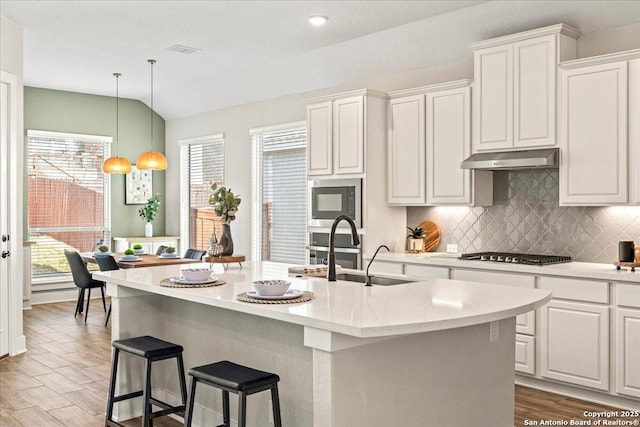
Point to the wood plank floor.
(63, 379)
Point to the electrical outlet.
(494, 331)
(452, 249)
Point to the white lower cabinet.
(149, 244)
(575, 343)
(525, 354)
(429, 271)
(628, 352)
(382, 267)
(628, 340)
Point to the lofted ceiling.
(254, 50)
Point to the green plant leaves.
(150, 210)
(224, 203)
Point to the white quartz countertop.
(346, 307)
(585, 270)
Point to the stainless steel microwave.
(331, 198)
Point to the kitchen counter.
(574, 269)
(354, 355)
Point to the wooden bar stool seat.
(233, 378)
(151, 350)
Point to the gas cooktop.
(528, 259)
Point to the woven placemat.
(306, 296)
(169, 284)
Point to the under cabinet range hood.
(513, 160)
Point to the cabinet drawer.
(628, 295)
(525, 354)
(426, 271)
(577, 289)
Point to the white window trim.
(64, 278)
(184, 182)
(256, 184)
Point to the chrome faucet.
(331, 271)
(372, 258)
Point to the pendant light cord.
(151, 61)
(117, 114)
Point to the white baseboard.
(578, 393)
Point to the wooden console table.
(224, 260)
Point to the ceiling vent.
(185, 50)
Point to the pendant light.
(116, 164)
(152, 159)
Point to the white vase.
(148, 230)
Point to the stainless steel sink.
(375, 280)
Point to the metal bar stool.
(237, 379)
(151, 350)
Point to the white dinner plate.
(125, 259)
(169, 256)
(182, 281)
(290, 294)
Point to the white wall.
(235, 122)
(11, 62)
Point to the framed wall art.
(138, 186)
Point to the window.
(69, 197)
(202, 162)
(280, 193)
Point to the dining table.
(146, 260)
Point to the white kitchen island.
(415, 354)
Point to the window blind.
(204, 165)
(69, 197)
(280, 221)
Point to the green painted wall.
(60, 111)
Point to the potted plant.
(129, 252)
(225, 205)
(104, 250)
(415, 239)
(148, 213)
(137, 248)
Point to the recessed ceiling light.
(318, 20)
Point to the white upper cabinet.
(348, 135)
(599, 130)
(594, 135)
(406, 151)
(320, 139)
(429, 136)
(336, 133)
(515, 88)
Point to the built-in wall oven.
(331, 198)
(328, 199)
(347, 255)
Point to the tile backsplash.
(526, 218)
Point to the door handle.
(5, 237)
(6, 254)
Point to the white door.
(320, 144)
(593, 126)
(406, 151)
(448, 143)
(4, 215)
(348, 128)
(575, 343)
(493, 98)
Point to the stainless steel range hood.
(513, 160)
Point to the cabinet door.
(407, 151)
(593, 126)
(493, 98)
(525, 354)
(534, 92)
(348, 135)
(448, 144)
(628, 352)
(320, 139)
(575, 343)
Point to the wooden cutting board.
(431, 235)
